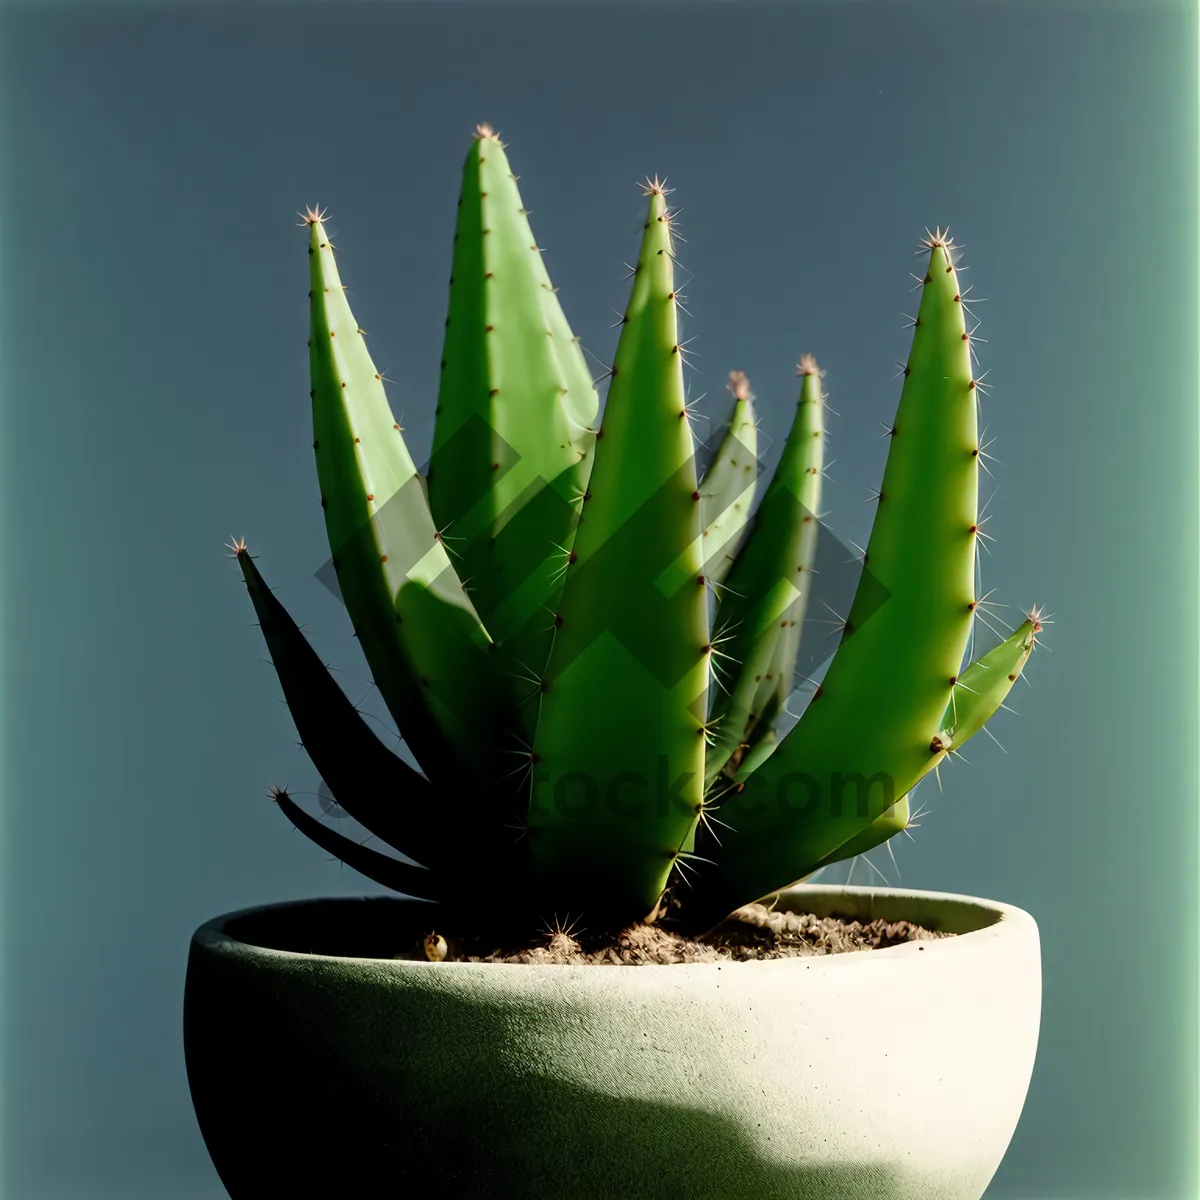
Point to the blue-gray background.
(155, 402)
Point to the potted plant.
(600, 977)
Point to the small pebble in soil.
(435, 947)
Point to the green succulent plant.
(587, 648)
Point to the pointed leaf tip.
(739, 385)
(312, 214)
(939, 237)
(1038, 618)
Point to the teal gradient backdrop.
(155, 402)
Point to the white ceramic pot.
(885, 1074)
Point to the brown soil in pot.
(753, 932)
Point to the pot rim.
(988, 920)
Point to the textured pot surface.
(888, 1074)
